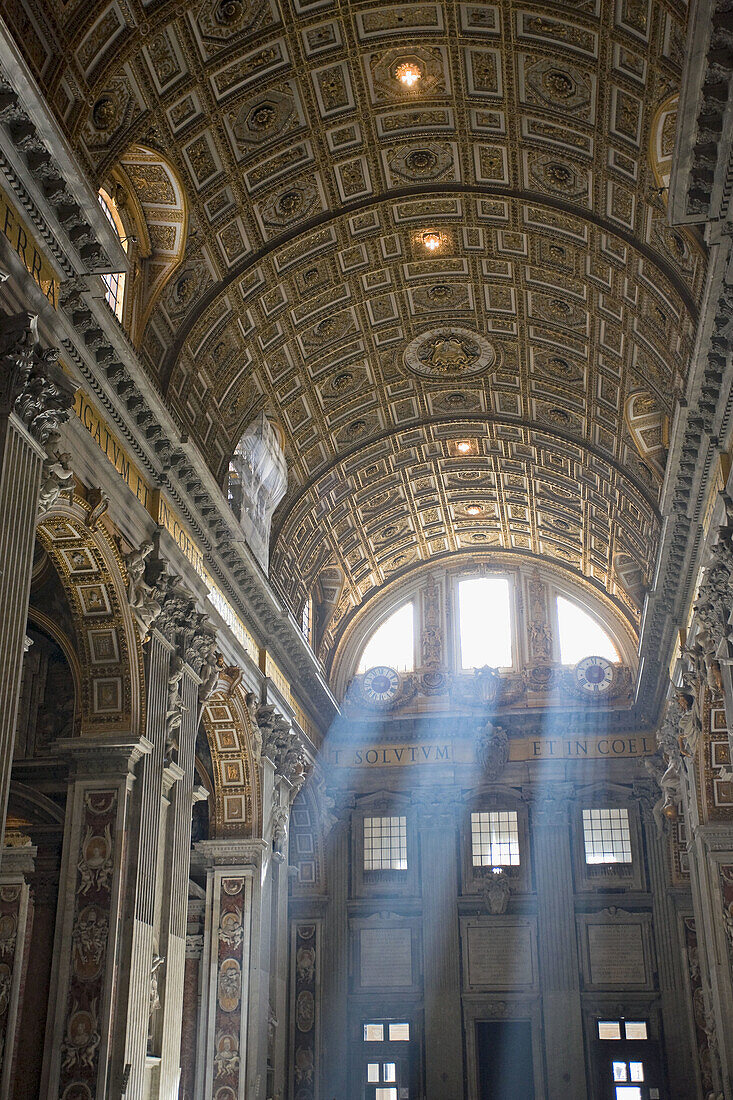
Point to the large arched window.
(115, 281)
(485, 622)
(581, 635)
(392, 643)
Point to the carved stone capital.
(31, 382)
(283, 746)
(179, 620)
(551, 808)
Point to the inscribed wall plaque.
(616, 954)
(500, 955)
(385, 957)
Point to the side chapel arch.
(148, 192)
(108, 649)
(232, 737)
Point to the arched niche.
(152, 203)
(648, 427)
(107, 646)
(662, 139)
(236, 809)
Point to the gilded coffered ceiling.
(549, 330)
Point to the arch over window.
(146, 190)
(581, 635)
(661, 141)
(258, 478)
(392, 643)
(485, 622)
(115, 281)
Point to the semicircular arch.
(230, 731)
(108, 649)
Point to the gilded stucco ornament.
(448, 353)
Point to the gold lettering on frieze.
(15, 231)
(113, 450)
(463, 752)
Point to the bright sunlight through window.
(393, 643)
(485, 622)
(581, 635)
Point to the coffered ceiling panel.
(555, 309)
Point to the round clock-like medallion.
(594, 675)
(380, 684)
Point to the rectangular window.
(607, 837)
(609, 1029)
(385, 843)
(373, 1033)
(495, 838)
(636, 1029)
(399, 1033)
(485, 621)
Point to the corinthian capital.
(31, 382)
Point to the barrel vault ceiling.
(549, 331)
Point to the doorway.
(504, 1059)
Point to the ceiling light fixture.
(464, 446)
(431, 240)
(474, 509)
(408, 73)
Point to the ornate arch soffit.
(109, 655)
(648, 426)
(151, 186)
(464, 425)
(614, 607)
(661, 142)
(237, 803)
(664, 265)
(407, 500)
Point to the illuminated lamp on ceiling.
(474, 510)
(462, 448)
(431, 240)
(408, 73)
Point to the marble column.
(440, 934)
(81, 1021)
(177, 640)
(336, 951)
(277, 836)
(233, 1028)
(16, 920)
(711, 876)
(35, 397)
(192, 990)
(666, 925)
(144, 870)
(558, 946)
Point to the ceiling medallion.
(449, 353)
(408, 73)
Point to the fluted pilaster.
(35, 398)
(558, 947)
(441, 962)
(336, 954)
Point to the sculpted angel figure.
(56, 475)
(141, 597)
